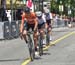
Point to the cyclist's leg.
(35, 36)
(24, 35)
(26, 28)
(41, 29)
(49, 27)
(35, 40)
(42, 32)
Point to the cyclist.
(41, 24)
(29, 18)
(48, 17)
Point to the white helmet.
(38, 13)
(47, 11)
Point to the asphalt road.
(15, 52)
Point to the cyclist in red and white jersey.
(30, 20)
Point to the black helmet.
(27, 10)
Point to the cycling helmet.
(27, 10)
(39, 14)
(47, 11)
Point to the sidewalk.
(17, 49)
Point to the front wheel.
(40, 39)
(47, 38)
(31, 49)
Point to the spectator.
(66, 20)
(9, 15)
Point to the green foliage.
(65, 3)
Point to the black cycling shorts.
(41, 25)
(27, 26)
(49, 23)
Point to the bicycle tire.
(47, 38)
(40, 39)
(31, 48)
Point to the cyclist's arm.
(22, 23)
(44, 18)
(51, 18)
(36, 24)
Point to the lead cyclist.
(29, 18)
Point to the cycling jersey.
(47, 16)
(41, 20)
(29, 17)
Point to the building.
(15, 3)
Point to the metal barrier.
(9, 30)
(1, 30)
(14, 29)
(58, 23)
(5, 30)
(7, 34)
(18, 25)
(61, 23)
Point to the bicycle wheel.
(40, 39)
(47, 38)
(31, 47)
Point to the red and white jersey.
(29, 4)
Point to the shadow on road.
(46, 53)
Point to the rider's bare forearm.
(21, 26)
(36, 24)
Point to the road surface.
(15, 52)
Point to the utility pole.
(39, 5)
(11, 7)
(42, 5)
